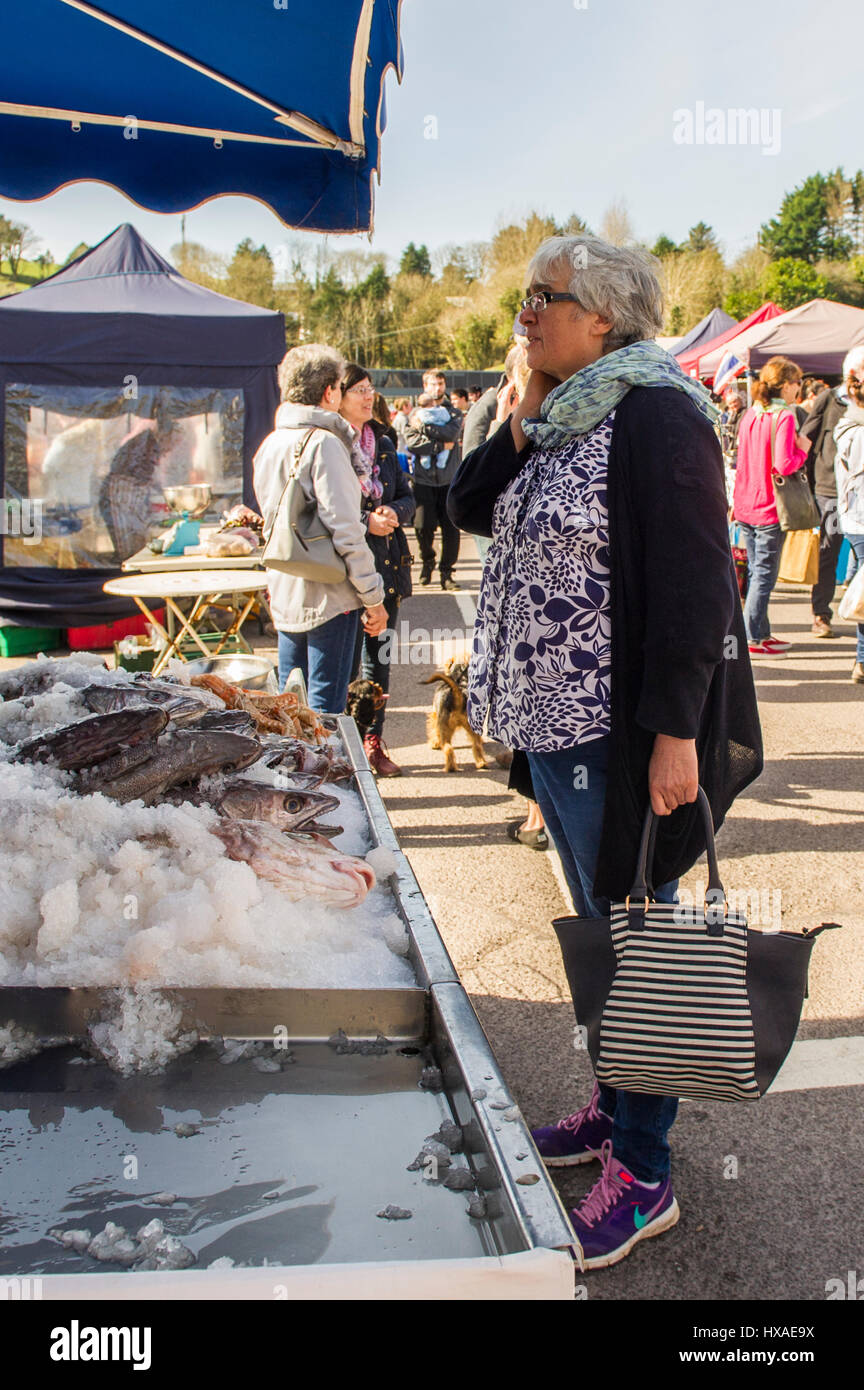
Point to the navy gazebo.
(118, 364)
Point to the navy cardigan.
(679, 657)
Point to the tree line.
(455, 306)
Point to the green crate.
(211, 640)
(143, 660)
(23, 641)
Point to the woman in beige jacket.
(317, 624)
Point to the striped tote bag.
(680, 1001)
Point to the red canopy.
(690, 360)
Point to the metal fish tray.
(284, 1170)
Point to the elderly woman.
(317, 624)
(609, 642)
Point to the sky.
(566, 106)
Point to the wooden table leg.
(235, 629)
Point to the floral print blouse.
(540, 664)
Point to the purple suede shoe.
(575, 1139)
(619, 1211)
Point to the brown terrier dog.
(448, 714)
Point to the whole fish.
(295, 809)
(93, 779)
(180, 708)
(183, 757)
(297, 756)
(298, 865)
(93, 740)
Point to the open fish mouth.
(302, 866)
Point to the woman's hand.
(538, 388)
(673, 773)
(382, 521)
(805, 445)
(375, 620)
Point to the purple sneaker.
(575, 1139)
(619, 1211)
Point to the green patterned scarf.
(587, 397)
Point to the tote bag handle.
(642, 889)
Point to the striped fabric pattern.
(677, 1019)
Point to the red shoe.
(776, 644)
(380, 763)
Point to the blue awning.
(174, 104)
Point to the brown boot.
(858, 673)
(380, 763)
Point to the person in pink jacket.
(768, 442)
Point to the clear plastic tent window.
(98, 463)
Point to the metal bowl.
(190, 497)
(252, 672)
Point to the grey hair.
(616, 283)
(306, 372)
(853, 362)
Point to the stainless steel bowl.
(190, 497)
(252, 672)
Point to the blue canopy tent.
(175, 104)
(705, 331)
(119, 377)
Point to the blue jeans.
(325, 655)
(856, 544)
(763, 545)
(570, 786)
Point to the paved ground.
(791, 1218)
(772, 1193)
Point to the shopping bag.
(799, 558)
(684, 1001)
(851, 608)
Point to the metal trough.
(285, 1171)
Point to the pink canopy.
(692, 361)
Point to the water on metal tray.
(331, 1135)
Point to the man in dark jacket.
(828, 409)
(431, 493)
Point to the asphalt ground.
(771, 1193)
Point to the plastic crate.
(143, 659)
(85, 639)
(22, 641)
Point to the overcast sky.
(567, 107)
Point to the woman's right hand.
(538, 388)
(805, 445)
(375, 620)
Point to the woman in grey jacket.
(317, 624)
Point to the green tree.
(798, 232)
(250, 275)
(700, 238)
(474, 342)
(415, 261)
(16, 239)
(664, 246)
(791, 281)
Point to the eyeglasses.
(359, 391)
(538, 301)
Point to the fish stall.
(236, 1060)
